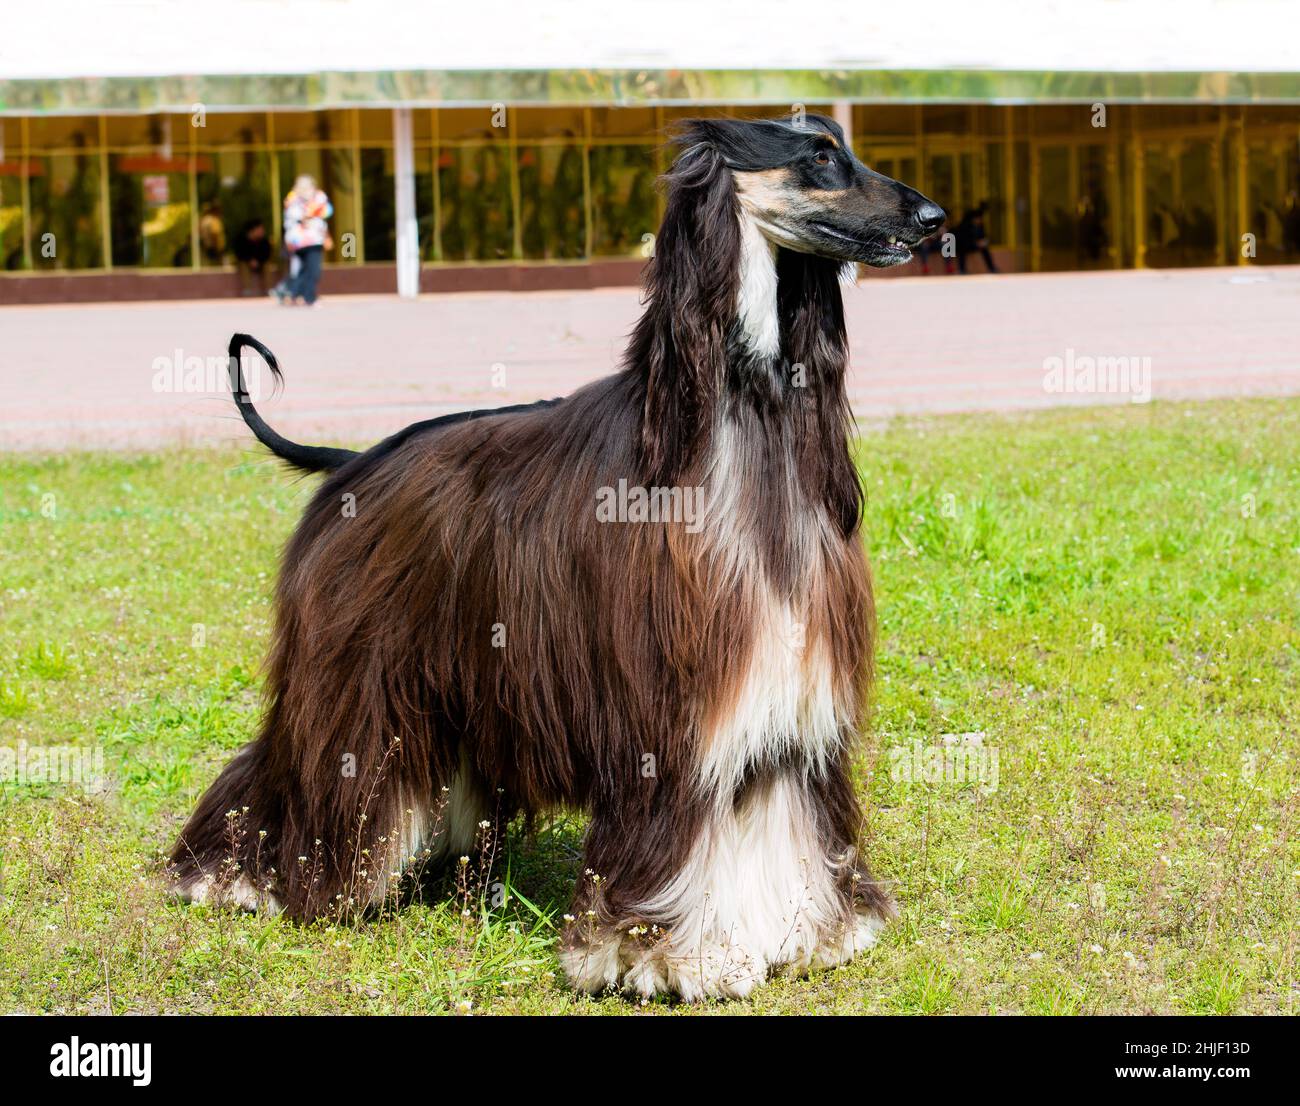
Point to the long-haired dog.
(648, 600)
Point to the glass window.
(1180, 204)
(1020, 197)
(66, 232)
(475, 218)
(1272, 200)
(11, 213)
(994, 193)
(1159, 170)
(1056, 225)
(1172, 119)
(376, 126)
(474, 124)
(941, 184)
(1095, 211)
(1198, 233)
(149, 202)
(1272, 115)
(379, 201)
(624, 204)
(549, 123)
(1061, 120)
(884, 121)
(232, 128)
(379, 215)
(624, 123)
(158, 131)
(57, 132)
(552, 211)
(945, 119)
(234, 191)
(313, 127)
(972, 187)
(426, 204)
(990, 120)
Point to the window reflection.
(66, 232)
(1180, 203)
(149, 201)
(1272, 200)
(552, 211)
(11, 213)
(1096, 244)
(379, 218)
(558, 184)
(474, 186)
(234, 192)
(1056, 208)
(624, 205)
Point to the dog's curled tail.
(309, 458)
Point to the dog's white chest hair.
(786, 709)
(756, 304)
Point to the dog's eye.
(821, 157)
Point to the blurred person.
(306, 237)
(212, 234)
(252, 249)
(973, 238)
(1093, 238)
(1291, 222)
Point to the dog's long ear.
(811, 309)
(691, 283)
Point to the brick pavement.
(359, 367)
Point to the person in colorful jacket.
(306, 237)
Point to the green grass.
(1110, 597)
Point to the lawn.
(1109, 598)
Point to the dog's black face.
(807, 191)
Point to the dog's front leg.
(656, 909)
(765, 881)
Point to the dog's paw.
(854, 937)
(625, 962)
(207, 890)
(722, 970)
(829, 948)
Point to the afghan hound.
(648, 600)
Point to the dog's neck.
(757, 310)
(786, 343)
(759, 322)
(783, 406)
(758, 351)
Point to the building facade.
(125, 185)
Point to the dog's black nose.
(929, 217)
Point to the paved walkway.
(87, 376)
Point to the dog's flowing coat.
(454, 621)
